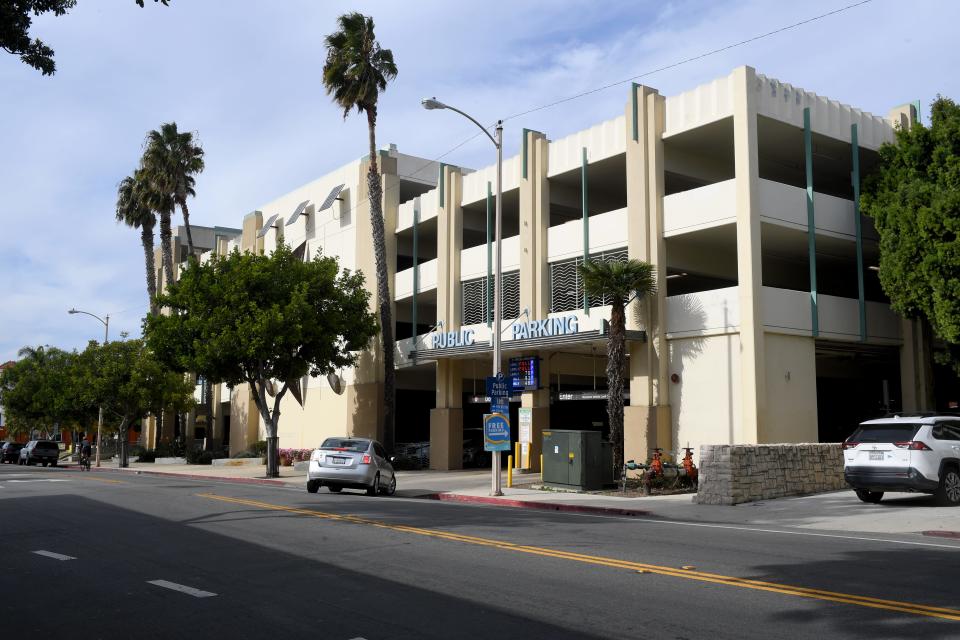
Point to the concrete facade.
(742, 207)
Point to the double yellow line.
(639, 567)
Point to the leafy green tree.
(15, 22)
(356, 72)
(618, 281)
(41, 391)
(127, 380)
(133, 209)
(246, 318)
(914, 200)
(171, 159)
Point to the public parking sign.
(496, 432)
(498, 386)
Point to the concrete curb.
(533, 504)
(194, 476)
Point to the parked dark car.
(10, 452)
(43, 451)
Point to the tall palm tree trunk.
(166, 246)
(146, 237)
(616, 355)
(375, 188)
(186, 225)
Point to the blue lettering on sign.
(449, 339)
(562, 326)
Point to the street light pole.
(106, 338)
(433, 103)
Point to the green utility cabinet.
(572, 459)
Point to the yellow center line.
(107, 480)
(733, 581)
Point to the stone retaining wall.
(731, 474)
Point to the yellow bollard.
(516, 454)
(510, 471)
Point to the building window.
(566, 288)
(474, 298)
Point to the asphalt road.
(124, 556)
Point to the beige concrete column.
(749, 276)
(446, 420)
(534, 225)
(252, 223)
(648, 419)
(539, 404)
(365, 395)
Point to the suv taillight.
(914, 445)
(366, 459)
(850, 445)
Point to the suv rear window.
(46, 445)
(885, 433)
(345, 443)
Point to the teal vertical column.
(586, 224)
(811, 222)
(416, 269)
(855, 181)
(489, 287)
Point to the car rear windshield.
(885, 433)
(46, 445)
(345, 444)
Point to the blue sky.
(245, 74)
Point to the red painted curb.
(942, 534)
(531, 504)
(192, 476)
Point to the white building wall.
(602, 141)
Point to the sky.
(245, 75)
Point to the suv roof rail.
(922, 414)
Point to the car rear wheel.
(334, 489)
(873, 497)
(374, 489)
(948, 493)
(313, 486)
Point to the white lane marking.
(196, 593)
(51, 554)
(40, 480)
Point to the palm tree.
(161, 202)
(618, 281)
(134, 211)
(356, 71)
(172, 159)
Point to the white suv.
(905, 453)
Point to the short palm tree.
(133, 211)
(356, 71)
(617, 281)
(172, 158)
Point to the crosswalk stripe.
(51, 554)
(182, 588)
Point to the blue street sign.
(498, 386)
(500, 405)
(496, 432)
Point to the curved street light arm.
(474, 121)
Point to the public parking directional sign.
(498, 386)
(496, 432)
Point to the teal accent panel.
(489, 256)
(636, 112)
(416, 270)
(441, 182)
(586, 223)
(523, 160)
(855, 181)
(916, 105)
(811, 221)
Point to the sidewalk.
(841, 511)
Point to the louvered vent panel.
(566, 288)
(510, 287)
(474, 301)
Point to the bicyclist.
(85, 452)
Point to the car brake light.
(914, 445)
(366, 459)
(850, 445)
(340, 449)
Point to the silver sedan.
(354, 463)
